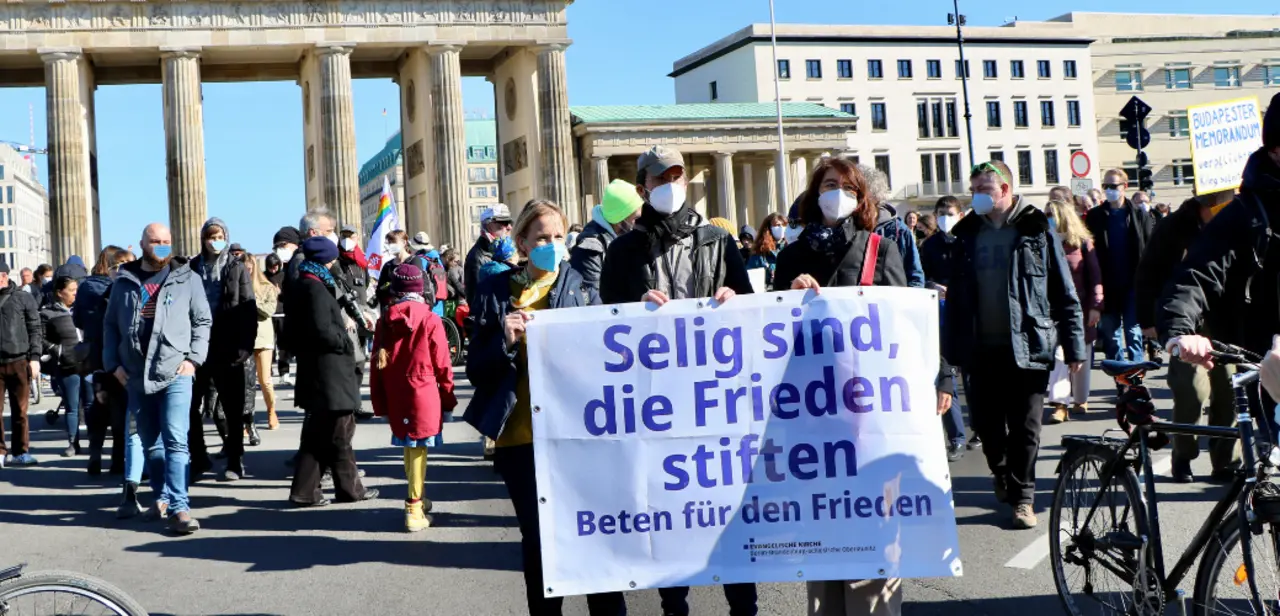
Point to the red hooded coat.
(416, 386)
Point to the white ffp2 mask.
(667, 198)
(837, 204)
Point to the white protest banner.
(778, 437)
(1223, 135)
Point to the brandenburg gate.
(427, 46)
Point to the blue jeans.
(1120, 332)
(161, 421)
(76, 392)
(953, 421)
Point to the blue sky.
(621, 55)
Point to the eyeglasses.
(1110, 186)
(988, 167)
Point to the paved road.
(257, 556)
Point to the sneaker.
(1181, 471)
(5, 460)
(415, 518)
(369, 494)
(159, 511)
(955, 451)
(25, 459)
(183, 524)
(229, 476)
(1002, 491)
(1024, 517)
(974, 443)
(1059, 414)
(1079, 409)
(70, 451)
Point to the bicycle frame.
(1238, 494)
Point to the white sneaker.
(25, 459)
(1024, 517)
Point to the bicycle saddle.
(1115, 368)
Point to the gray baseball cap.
(658, 159)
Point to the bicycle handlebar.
(1228, 354)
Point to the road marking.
(1031, 556)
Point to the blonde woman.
(1077, 246)
(266, 294)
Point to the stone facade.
(427, 46)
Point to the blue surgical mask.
(547, 257)
(218, 246)
(983, 204)
(778, 232)
(162, 251)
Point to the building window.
(715, 92)
(1046, 114)
(1177, 78)
(1069, 69)
(2, 218)
(813, 69)
(990, 70)
(1024, 168)
(940, 164)
(1016, 69)
(1226, 76)
(1129, 81)
(904, 69)
(1073, 114)
(993, 114)
(849, 108)
(844, 69)
(1050, 166)
(952, 128)
(490, 152)
(1179, 126)
(875, 69)
(937, 119)
(1271, 75)
(1184, 172)
(965, 68)
(1020, 119)
(1043, 68)
(784, 69)
(955, 168)
(2, 242)
(922, 119)
(882, 163)
(997, 155)
(9, 190)
(1, 172)
(879, 119)
(935, 68)
(926, 170)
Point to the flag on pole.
(386, 221)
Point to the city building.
(24, 214)
(1030, 96)
(482, 176)
(1171, 62)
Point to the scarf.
(317, 270)
(666, 231)
(826, 240)
(409, 297)
(527, 290)
(356, 256)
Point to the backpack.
(436, 275)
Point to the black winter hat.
(1271, 124)
(287, 235)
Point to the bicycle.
(1105, 522)
(61, 593)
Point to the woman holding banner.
(840, 247)
(497, 365)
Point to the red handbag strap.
(869, 261)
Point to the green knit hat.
(620, 201)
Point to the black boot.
(129, 506)
(95, 460)
(251, 425)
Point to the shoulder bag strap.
(869, 261)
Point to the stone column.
(780, 172)
(184, 147)
(450, 143)
(799, 176)
(69, 182)
(340, 182)
(724, 186)
(600, 168)
(559, 183)
(772, 201)
(748, 204)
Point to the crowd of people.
(149, 346)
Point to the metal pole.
(780, 168)
(964, 83)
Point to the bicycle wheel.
(1218, 590)
(1095, 567)
(454, 339)
(64, 593)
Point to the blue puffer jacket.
(87, 313)
(491, 364)
(890, 227)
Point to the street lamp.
(958, 20)
(780, 168)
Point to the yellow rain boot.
(414, 518)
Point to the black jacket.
(587, 256)
(456, 276)
(1114, 285)
(480, 253)
(62, 340)
(631, 266)
(328, 379)
(935, 257)
(88, 311)
(1169, 242)
(843, 270)
(20, 330)
(1233, 269)
(491, 365)
(235, 318)
(1044, 311)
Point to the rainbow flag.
(386, 221)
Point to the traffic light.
(1138, 137)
